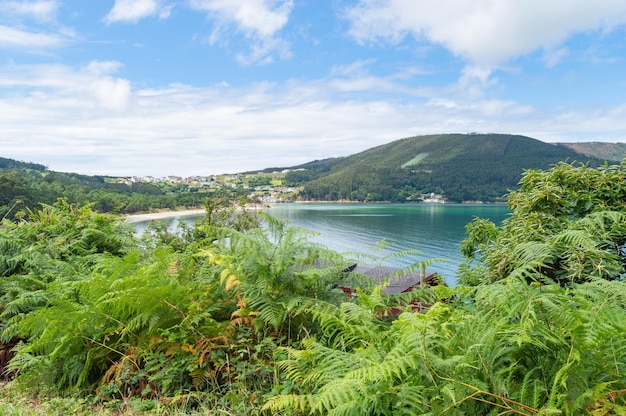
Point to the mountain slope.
(460, 166)
(12, 164)
(600, 150)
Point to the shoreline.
(132, 218)
(161, 215)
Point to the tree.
(13, 192)
(568, 225)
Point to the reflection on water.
(435, 230)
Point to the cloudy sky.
(196, 87)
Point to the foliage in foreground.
(568, 225)
(191, 321)
(242, 319)
(506, 348)
(541, 331)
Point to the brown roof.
(395, 280)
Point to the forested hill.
(6, 164)
(27, 185)
(461, 167)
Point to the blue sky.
(199, 87)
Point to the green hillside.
(462, 167)
(27, 185)
(6, 164)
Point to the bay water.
(383, 230)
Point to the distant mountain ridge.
(461, 167)
(9, 164)
(600, 150)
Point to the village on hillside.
(265, 187)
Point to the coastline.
(132, 218)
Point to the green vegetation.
(461, 167)
(10, 164)
(537, 329)
(415, 160)
(568, 226)
(25, 185)
(240, 314)
(175, 319)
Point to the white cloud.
(90, 120)
(486, 32)
(262, 18)
(40, 10)
(16, 38)
(103, 67)
(258, 20)
(354, 68)
(475, 80)
(553, 57)
(262, 51)
(111, 93)
(91, 88)
(134, 10)
(30, 26)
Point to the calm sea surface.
(434, 230)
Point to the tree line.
(26, 188)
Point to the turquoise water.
(435, 230)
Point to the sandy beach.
(165, 214)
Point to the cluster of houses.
(266, 193)
(192, 180)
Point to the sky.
(202, 87)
